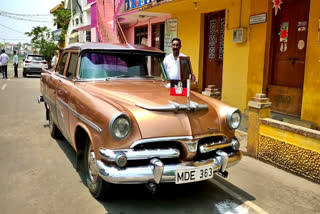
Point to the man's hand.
(193, 78)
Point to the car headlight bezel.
(229, 117)
(116, 117)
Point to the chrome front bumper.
(157, 172)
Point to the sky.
(33, 7)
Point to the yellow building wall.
(245, 66)
(311, 90)
(290, 138)
(257, 50)
(294, 149)
(191, 32)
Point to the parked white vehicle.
(33, 64)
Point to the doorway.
(213, 49)
(288, 53)
(158, 36)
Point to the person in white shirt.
(171, 61)
(54, 61)
(4, 59)
(15, 64)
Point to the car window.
(35, 57)
(105, 65)
(72, 68)
(63, 63)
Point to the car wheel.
(97, 186)
(54, 131)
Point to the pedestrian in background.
(4, 59)
(15, 63)
(54, 61)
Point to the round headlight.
(234, 119)
(120, 126)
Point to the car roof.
(111, 46)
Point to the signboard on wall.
(258, 19)
(56, 34)
(132, 4)
(170, 32)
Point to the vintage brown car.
(112, 103)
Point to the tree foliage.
(42, 42)
(61, 19)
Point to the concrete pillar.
(259, 107)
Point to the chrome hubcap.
(93, 175)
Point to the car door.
(64, 87)
(52, 87)
(67, 85)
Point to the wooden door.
(213, 49)
(157, 41)
(290, 28)
(158, 36)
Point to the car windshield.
(35, 57)
(120, 65)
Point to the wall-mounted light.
(195, 5)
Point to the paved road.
(38, 174)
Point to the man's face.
(175, 47)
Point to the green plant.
(42, 42)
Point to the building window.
(88, 36)
(77, 21)
(140, 34)
(81, 19)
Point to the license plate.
(193, 175)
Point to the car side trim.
(80, 117)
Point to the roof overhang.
(187, 6)
(83, 28)
(138, 15)
(58, 7)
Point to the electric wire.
(20, 14)
(25, 19)
(11, 29)
(15, 39)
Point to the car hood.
(131, 95)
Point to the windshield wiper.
(148, 76)
(123, 76)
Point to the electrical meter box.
(239, 35)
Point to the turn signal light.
(121, 159)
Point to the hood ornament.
(173, 106)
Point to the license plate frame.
(195, 174)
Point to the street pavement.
(38, 174)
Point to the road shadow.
(33, 76)
(71, 155)
(200, 197)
